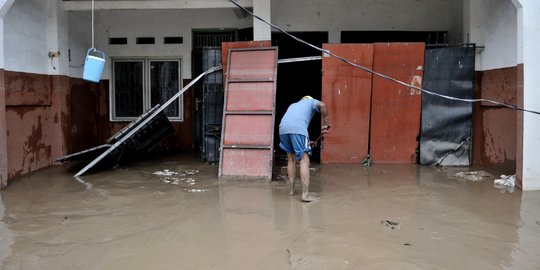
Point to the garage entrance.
(299, 79)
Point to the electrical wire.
(380, 74)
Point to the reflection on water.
(6, 236)
(132, 219)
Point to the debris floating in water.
(390, 225)
(473, 176)
(171, 180)
(195, 190)
(505, 183)
(175, 180)
(165, 173)
(178, 181)
(191, 172)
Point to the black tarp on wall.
(446, 133)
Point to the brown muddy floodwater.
(383, 217)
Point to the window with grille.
(139, 84)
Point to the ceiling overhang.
(151, 4)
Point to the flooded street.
(383, 217)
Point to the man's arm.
(324, 113)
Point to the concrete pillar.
(4, 7)
(261, 30)
(530, 38)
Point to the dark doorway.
(295, 80)
(434, 37)
(245, 34)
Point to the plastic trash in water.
(475, 176)
(165, 173)
(196, 190)
(505, 183)
(389, 224)
(191, 172)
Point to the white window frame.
(146, 87)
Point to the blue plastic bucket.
(93, 65)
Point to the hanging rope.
(93, 47)
(379, 74)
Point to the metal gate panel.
(250, 96)
(251, 65)
(396, 109)
(346, 90)
(245, 163)
(248, 116)
(226, 46)
(248, 130)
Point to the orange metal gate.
(346, 91)
(248, 114)
(395, 109)
(350, 93)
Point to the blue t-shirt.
(296, 119)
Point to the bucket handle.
(94, 50)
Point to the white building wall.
(531, 94)
(335, 16)
(29, 36)
(57, 38)
(80, 40)
(147, 23)
(25, 37)
(492, 24)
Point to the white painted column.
(262, 31)
(4, 7)
(473, 26)
(531, 93)
(57, 38)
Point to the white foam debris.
(190, 181)
(165, 173)
(178, 181)
(195, 190)
(505, 181)
(190, 172)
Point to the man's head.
(307, 97)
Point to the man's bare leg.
(304, 175)
(291, 171)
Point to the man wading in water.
(294, 139)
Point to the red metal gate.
(395, 109)
(350, 93)
(346, 91)
(226, 46)
(248, 114)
